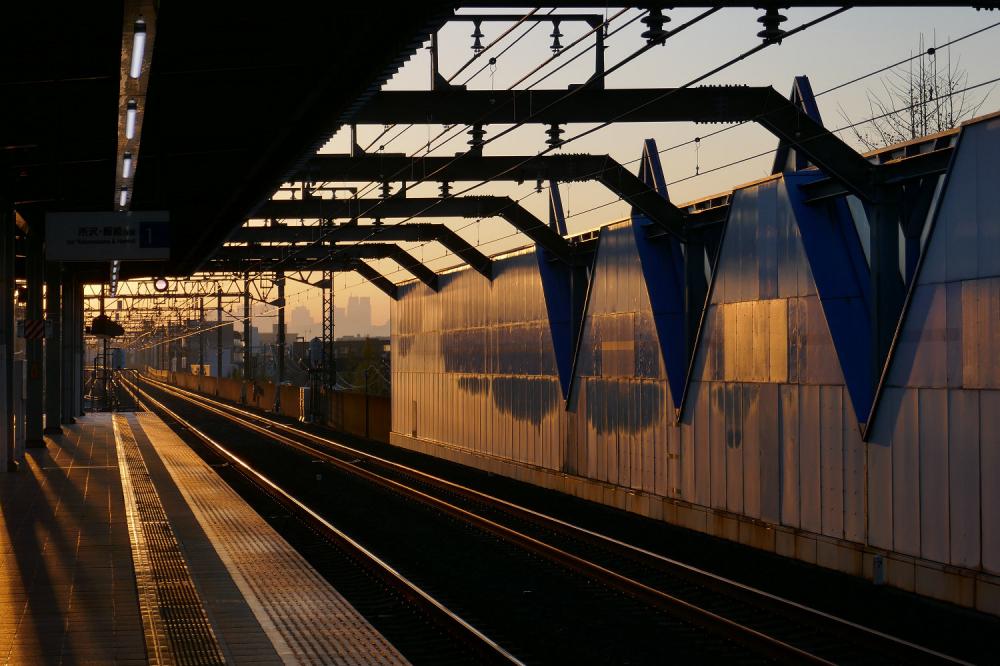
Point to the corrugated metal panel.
(822, 364)
(921, 351)
(728, 316)
(691, 437)
(972, 362)
(637, 431)
(661, 450)
(718, 440)
(750, 428)
(778, 341)
(831, 405)
(989, 332)
(789, 443)
(767, 235)
(934, 514)
(788, 249)
(591, 412)
(749, 247)
(734, 447)
(810, 477)
(854, 477)
(652, 414)
(768, 430)
(761, 340)
(770, 456)
(880, 476)
(906, 476)
(988, 198)
(958, 215)
(989, 410)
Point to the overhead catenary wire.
(856, 79)
(550, 148)
(839, 86)
(479, 54)
(694, 81)
(747, 158)
(666, 94)
(320, 240)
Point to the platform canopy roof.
(239, 93)
(240, 97)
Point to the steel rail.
(675, 606)
(618, 581)
(824, 621)
(485, 647)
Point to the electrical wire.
(750, 157)
(564, 142)
(698, 79)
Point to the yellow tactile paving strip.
(67, 586)
(175, 623)
(307, 620)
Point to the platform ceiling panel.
(240, 95)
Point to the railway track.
(472, 644)
(762, 624)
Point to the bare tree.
(925, 96)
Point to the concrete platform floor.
(117, 541)
(67, 585)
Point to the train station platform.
(120, 545)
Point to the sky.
(837, 50)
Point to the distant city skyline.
(354, 319)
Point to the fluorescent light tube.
(138, 48)
(127, 166)
(131, 111)
(123, 197)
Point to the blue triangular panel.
(786, 158)
(662, 262)
(564, 287)
(841, 273)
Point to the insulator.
(556, 45)
(554, 132)
(772, 20)
(654, 20)
(477, 133)
(445, 188)
(477, 35)
(386, 189)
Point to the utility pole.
(218, 338)
(247, 371)
(279, 280)
(201, 336)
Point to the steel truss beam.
(756, 4)
(359, 267)
(399, 207)
(715, 104)
(933, 163)
(319, 257)
(559, 168)
(416, 232)
(157, 297)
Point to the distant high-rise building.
(299, 321)
(355, 319)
